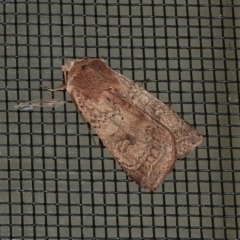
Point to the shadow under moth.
(143, 134)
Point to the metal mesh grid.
(55, 183)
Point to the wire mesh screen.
(55, 182)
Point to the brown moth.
(143, 134)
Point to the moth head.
(102, 60)
(69, 64)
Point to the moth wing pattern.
(144, 135)
(146, 153)
(187, 137)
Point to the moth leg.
(85, 121)
(60, 88)
(88, 126)
(100, 143)
(89, 131)
(142, 84)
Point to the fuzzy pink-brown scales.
(142, 133)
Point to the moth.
(143, 134)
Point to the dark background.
(55, 182)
